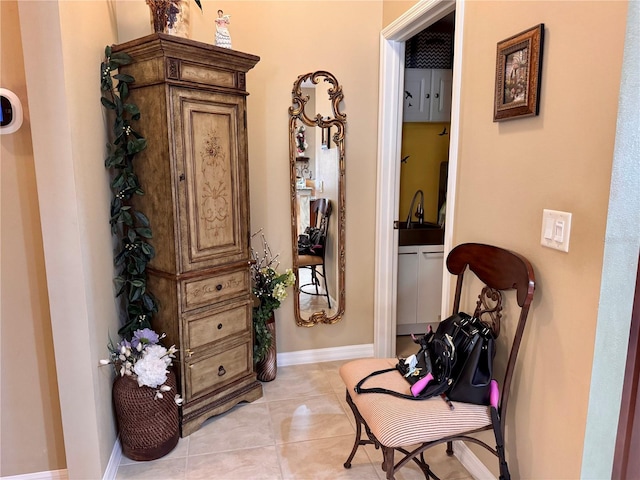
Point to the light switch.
(559, 231)
(556, 228)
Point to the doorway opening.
(426, 127)
(392, 61)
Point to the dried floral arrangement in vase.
(269, 288)
(171, 16)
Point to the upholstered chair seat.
(393, 420)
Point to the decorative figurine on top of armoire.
(223, 38)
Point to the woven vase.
(149, 427)
(267, 368)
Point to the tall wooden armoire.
(194, 172)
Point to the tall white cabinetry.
(420, 269)
(427, 94)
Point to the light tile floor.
(300, 429)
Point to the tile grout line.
(273, 438)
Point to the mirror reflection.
(316, 158)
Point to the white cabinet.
(420, 269)
(427, 94)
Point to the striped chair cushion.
(398, 422)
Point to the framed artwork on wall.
(518, 75)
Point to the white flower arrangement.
(143, 359)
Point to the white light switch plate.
(556, 229)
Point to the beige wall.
(268, 29)
(392, 9)
(560, 160)
(31, 428)
(355, 64)
(63, 44)
(426, 149)
(69, 138)
(565, 164)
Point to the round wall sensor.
(10, 111)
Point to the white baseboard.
(301, 357)
(114, 461)
(471, 463)
(109, 474)
(50, 475)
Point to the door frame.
(627, 439)
(392, 50)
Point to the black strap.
(358, 388)
(427, 393)
(504, 469)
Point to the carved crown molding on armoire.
(194, 171)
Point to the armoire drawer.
(205, 374)
(205, 328)
(200, 292)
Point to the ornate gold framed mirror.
(316, 160)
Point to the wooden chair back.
(320, 214)
(499, 270)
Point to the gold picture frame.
(518, 75)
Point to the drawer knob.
(221, 371)
(218, 287)
(219, 326)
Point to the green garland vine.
(131, 227)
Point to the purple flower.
(145, 336)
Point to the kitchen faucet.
(419, 209)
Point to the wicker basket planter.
(149, 428)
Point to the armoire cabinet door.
(211, 164)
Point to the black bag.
(310, 242)
(473, 358)
(456, 360)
